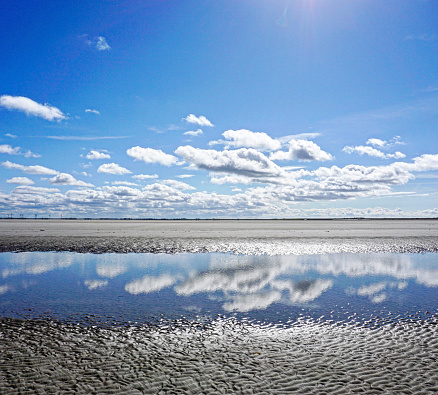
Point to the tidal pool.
(212, 323)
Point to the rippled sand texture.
(272, 237)
(223, 357)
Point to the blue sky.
(208, 109)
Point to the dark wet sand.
(271, 237)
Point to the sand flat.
(238, 236)
(221, 228)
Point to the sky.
(219, 109)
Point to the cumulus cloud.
(201, 120)
(151, 155)
(20, 181)
(132, 184)
(258, 301)
(365, 150)
(31, 107)
(97, 155)
(248, 139)
(113, 168)
(302, 150)
(245, 162)
(68, 179)
(35, 169)
(92, 111)
(145, 176)
(7, 149)
(193, 132)
(149, 284)
(178, 185)
(12, 136)
(384, 143)
(101, 44)
(95, 284)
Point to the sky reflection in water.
(136, 287)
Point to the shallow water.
(211, 323)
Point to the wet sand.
(273, 237)
(225, 356)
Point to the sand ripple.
(223, 356)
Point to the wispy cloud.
(145, 176)
(113, 168)
(385, 144)
(20, 181)
(92, 111)
(31, 107)
(84, 138)
(12, 136)
(370, 151)
(35, 169)
(193, 133)
(201, 120)
(423, 37)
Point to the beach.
(218, 306)
(273, 237)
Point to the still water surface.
(218, 323)
(279, 289)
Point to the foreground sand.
(239, 236)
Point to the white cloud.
(248, 139)
(182, 186)
(31, 107)
(110, 270)
(151, 155)
(68, 179)
(7, 149)
(132, 184)
(35, 169)
(149, 284)
(101, 44)
(368, 290)
(302, 150)
(245, 162)
(383, 143)
(113, 168)
(12, 136)
(193, 132)
(97, 155)
(20, 181)
(185, 176)
(94, 284)
(201, 120)
(92, 111)
(84, 138)
(145, 176)
(376, 142)
(422, 37)
(361, 150)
